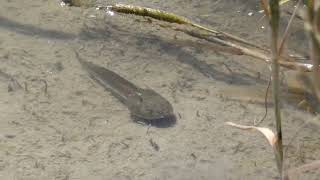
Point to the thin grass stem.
(274, 24)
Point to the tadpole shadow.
(212, 71)
(142, 41)
(30, 30)
(174, 48)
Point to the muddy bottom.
(57, 123)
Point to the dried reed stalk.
(216, 36)
(171, 18)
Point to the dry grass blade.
(268, 134)
(265, 8)
(271, 137)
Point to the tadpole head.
(151, 108)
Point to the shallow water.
(62, 125)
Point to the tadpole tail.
(117, 85)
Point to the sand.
(59, 124)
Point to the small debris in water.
(14, 85)
(198, 114)
(9, 136)
(193, 156)
(154, 145)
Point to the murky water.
(60, 124)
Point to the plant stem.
(312, 23)
(274, 23)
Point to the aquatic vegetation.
(276, 58)
(272, 11)
(273, 56)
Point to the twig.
(286, 33)
(265, 104)
(154, 144)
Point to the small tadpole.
(154, 144)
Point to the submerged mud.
(62, 125)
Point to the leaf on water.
(268, 134)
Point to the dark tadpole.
(145, 105)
